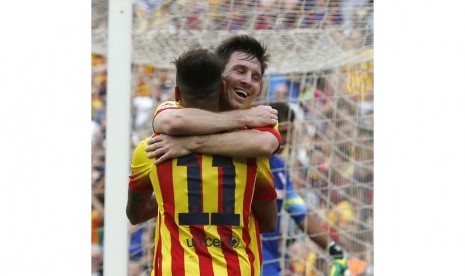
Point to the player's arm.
(264, 204)
(297, 209)
(193, 121)
(141, 205)
(314, 230)
(266, 213)
(241, 143)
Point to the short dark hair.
(285, 113)
(244, 44)
(198, 74)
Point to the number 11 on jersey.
(196, 216)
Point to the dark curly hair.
(244, 44)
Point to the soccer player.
(296, 207)
(245, 61)
(204, 224)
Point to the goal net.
(321, 64)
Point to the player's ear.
(177, 95)
(223, 87)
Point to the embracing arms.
(241, 143)
(193, 121)
(204, 125)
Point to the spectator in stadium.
(295, 206)
(281, 93)
(143, 104)
(97, 260)
(97, 220)
(97, 224)
(139, 249)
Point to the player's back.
(205, 225)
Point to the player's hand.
(262, 115)
(164, 147)
(339, 265)
(151, 147)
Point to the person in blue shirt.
(290, 201)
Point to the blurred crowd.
(330, 157)
(149, 87)
(330, 160)
(353, 15)
(350, 21)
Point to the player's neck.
(225, 106)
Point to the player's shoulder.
(140, 164)
(167, 105)
(139, 151)
(143, 142)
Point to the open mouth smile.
(242, 93)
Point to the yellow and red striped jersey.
(205, 225)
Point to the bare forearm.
(266, 213)
(315, 231)
(149, 212)
(140, 207)
(243, 143)
(192, 121)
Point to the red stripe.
(165, 172)
(198, 232)
(225, 233)
(205, 258)
(157, 260)
(259, 245)
(230, 254)
(249, 188)
(273, 131)
(141, 186)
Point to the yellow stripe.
(210, 185)
(296, 200)
(165, 249)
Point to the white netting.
(321, 63)
(301, 35)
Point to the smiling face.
(243, 80)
